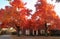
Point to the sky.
(31, 3)
(3, 3)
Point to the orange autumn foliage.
(10, 16)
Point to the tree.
(20, 13)
(44, 13)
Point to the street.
(5, 37)
(28, 37)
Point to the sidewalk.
(36, 37)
